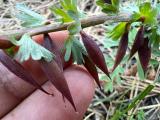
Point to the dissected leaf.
(115, 3)
(147, 12)
(63, 14)
(94, 52)
(122, 48)
(68, 47)
(52, 47)
(69, 4)
(100, 3)
(138, 41)
(29, 48)
(109, 6)
(73, 14)
(154, 37)
(77, 51)
(108, 86)
(68, 11)
(145, 54)
(90, 66)
(77, 55)
(118, 31)
(16, 68)
(79, 46)
(29, 17)
(74, 28)
(55, 75)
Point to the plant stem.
(87, 22)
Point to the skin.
(21, 101)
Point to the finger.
(12, 89)
(40, 106)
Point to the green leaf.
(132, 34)
(109, 8)
(146, 10)
(74, 5)
(145, 7)
(108, 86)
(117, 115)
(29, 17)
(64, 16)
(69, 4)
(68, 46)
(136, 16)
(154, 37)
(79, 46)
(140, 70)
(74, 15)
(100, 3)
(115, 3)
(68, 11)
(77, 55)
(154, 62)
(158, 7)
(117, 32)
(29, 48)
(141, 115)
(158, 30)
(108, 43)
(78, 50)
(74, 28)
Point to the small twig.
(87, 22)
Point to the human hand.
(20, 101)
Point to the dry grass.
(103, 105)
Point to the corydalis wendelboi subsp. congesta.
(91, 67)
(51, 46)
(122, 48)
(144, 53)
(94, 52)
(140, 45)
(16, 68)
(91, 59)
(138, 42)
(53, 70)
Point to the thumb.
(40, 106)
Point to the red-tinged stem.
(86, 22)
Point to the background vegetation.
(126, 83)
